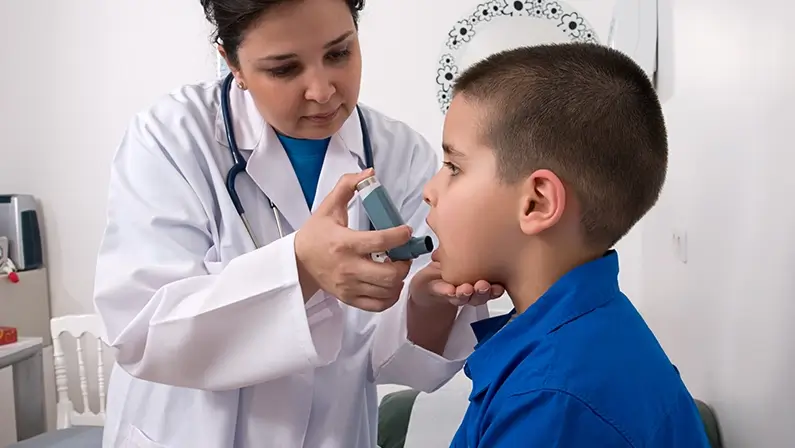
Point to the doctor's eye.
(454, 170)
(282, 71)
(338, 55)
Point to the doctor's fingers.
(386, 275)
(352, 272)
(337, 200)
(368, 242)
(369, 297)
(375, 302)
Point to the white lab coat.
(216, 346)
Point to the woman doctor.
(222, 342)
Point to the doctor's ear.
(241, 84)
(543, 201)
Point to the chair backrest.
(77, 326)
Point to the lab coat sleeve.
(172, 320)
(395, 359)
(547, 418)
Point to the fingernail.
(452, 294)
(483, 291)
(467, 294)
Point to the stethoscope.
(239, 163)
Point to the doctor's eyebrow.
(329, 44)
(448, 149)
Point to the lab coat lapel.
(247, 123)
(345, 154)
(268, 165)
(272, 171)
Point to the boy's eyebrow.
(450, 151)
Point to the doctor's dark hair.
(586, 112)
(232, 18)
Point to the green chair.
(394, 414)
(710, 424)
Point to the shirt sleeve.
(547, 418)
(165, 301)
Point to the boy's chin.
(459, 277)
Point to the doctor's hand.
(428, 288)
(336, 259)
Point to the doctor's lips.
(323, 118)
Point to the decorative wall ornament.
(499, 25)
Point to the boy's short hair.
(584, 111)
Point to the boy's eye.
(454, 170)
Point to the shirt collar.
(581, 290)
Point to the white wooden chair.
(77, 326)
(74, 429)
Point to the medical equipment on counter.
(240, 163)
(384, 215)
(8, 335)
(7, 266)
(19, 222)
(3, 249)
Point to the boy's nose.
(429, 193)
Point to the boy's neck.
(537, 271)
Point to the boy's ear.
(543, 201)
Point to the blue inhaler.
(384, 215)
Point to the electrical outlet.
(679, 245)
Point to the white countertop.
(9, 350)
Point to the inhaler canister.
(384, 215)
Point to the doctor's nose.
(319, 89)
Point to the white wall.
(725, 315)
(74, 72)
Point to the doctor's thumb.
(341, 195)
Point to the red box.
(8, 335)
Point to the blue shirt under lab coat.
(579, 368)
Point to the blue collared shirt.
(579, 368)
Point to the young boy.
(552, 154)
